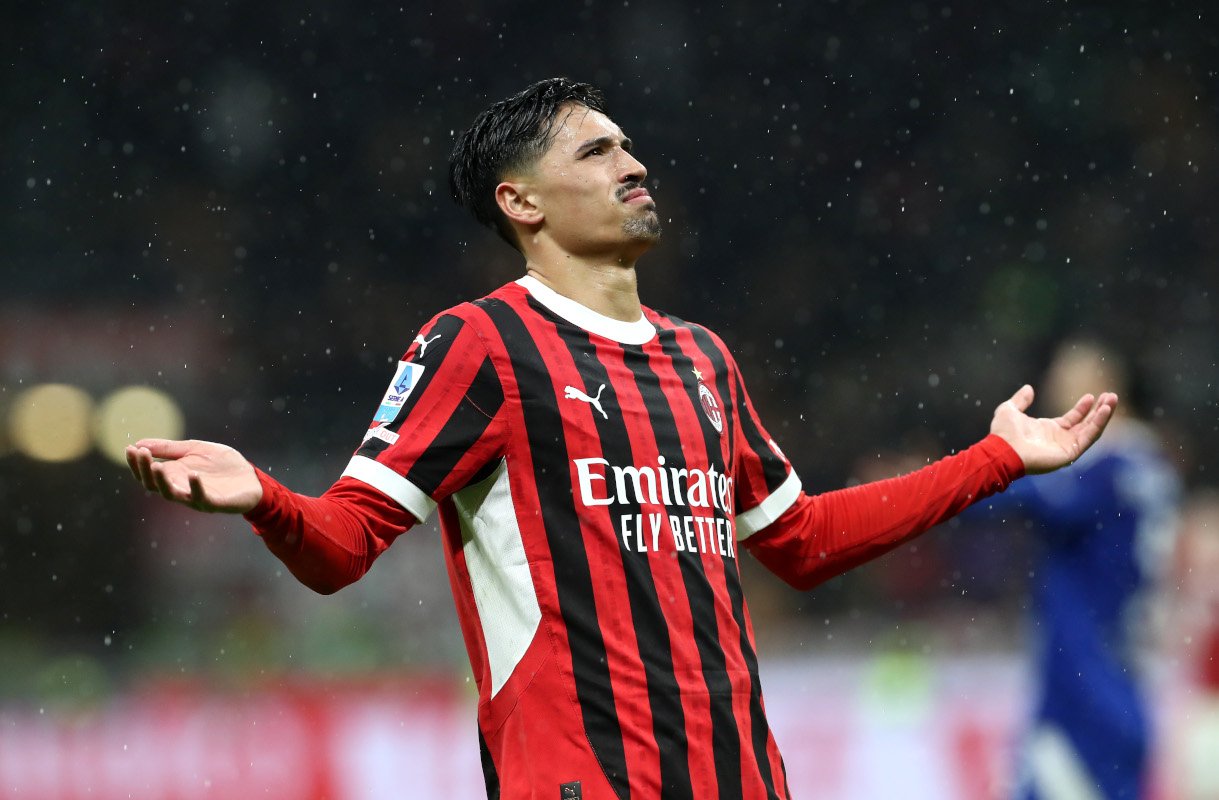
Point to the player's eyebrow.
(604, 141)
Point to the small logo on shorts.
(570, 791)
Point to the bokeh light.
(51, 422)
(133, 413)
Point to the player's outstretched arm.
(1046, 444)
(203, 475)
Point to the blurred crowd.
(893, 213)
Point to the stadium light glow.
(133, 413)
(51, 422)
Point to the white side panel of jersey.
(499, 573)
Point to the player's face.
(590, 188)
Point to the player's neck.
(610, 289)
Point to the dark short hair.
(510, 135)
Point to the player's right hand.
(203, 475)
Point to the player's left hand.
(1046, 444)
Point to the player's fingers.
(1083, 406)
(198, 498)
(129, 453)
(164, 485)
(167, 448)
(144, 463)
(133, 463)
(1089, 430)
(1023, 398)
(1101, 413)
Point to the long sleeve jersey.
(596, 481)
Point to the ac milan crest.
(711, 406)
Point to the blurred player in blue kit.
(1105, 529)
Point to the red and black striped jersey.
(595, 481)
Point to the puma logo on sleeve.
(423, 343)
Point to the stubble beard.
(645, 227)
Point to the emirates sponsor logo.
(603, 484)
(660, 493)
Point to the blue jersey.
(1105, 527)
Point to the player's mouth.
(637, 196)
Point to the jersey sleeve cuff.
(755, 519)
(1009, 467)
(392, 485)
(271, 506)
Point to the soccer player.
(1105, 529)
(598, 468)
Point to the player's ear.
(517, 202)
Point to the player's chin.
(645, 227)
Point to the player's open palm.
(1046, 444)
(203, 475)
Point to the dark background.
(892, 212)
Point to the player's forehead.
(576, 124)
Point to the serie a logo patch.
(406, 378)
(570, 791)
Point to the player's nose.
(632, 168)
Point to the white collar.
(638, 332)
